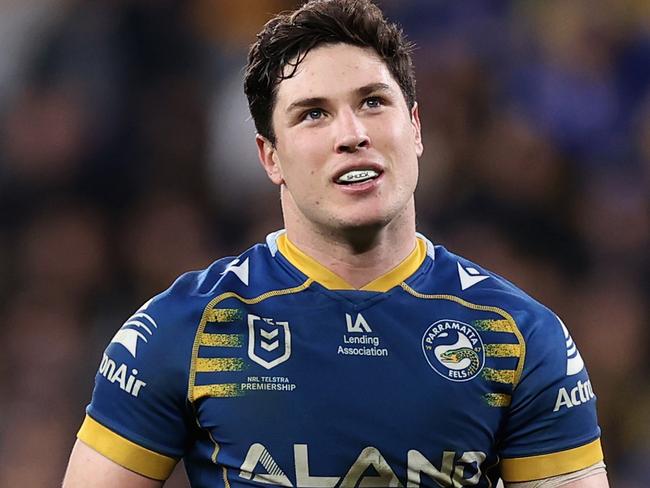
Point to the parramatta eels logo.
(454, 350)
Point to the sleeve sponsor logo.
(578, 395)
(121, 376)
(137, 328)
(574, 362)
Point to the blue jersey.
(269, 370)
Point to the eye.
(313, 114)
(373, 102)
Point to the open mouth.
(357, 176)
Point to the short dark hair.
(286, 39)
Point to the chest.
(392, 387)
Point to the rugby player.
(347, 350)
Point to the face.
(347, 146)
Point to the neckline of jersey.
(331, 281)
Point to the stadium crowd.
(127, 157)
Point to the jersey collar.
(319, 273)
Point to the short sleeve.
(552, 428)
(139, 416)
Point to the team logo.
(269, 342)
(454, 350)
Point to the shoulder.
(551, 406)
(161, 333)
(473, 283)
(255, 272)
(147, 361)
(252, 272)
(541, 335)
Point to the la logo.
(360, 325)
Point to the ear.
(269, 159)
(417, 128)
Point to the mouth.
(357, 176)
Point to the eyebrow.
(362, 91)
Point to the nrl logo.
(269, 342)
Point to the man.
(348, 350)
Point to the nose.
(351, 133)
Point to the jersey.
(269, 370)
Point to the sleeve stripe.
(553, 464)
(124, 452)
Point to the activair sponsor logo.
(139, 326)
(121, 376)
(370, 468)
(574, 362)
(578, 395)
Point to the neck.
(359, 255)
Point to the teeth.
(356, 176)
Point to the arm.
(552, 434)
(592, 477)
(88, 468)
(597, 481)
(135, 428)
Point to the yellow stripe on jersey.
(125, 452)
(494, 325)
(502, 350)
(225, 315)
(552, 464)
(222, 340)
(209, 365)
(498, 399)
(506, 376)
(224, 390)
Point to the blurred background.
(127, 157)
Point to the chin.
(362, 223)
